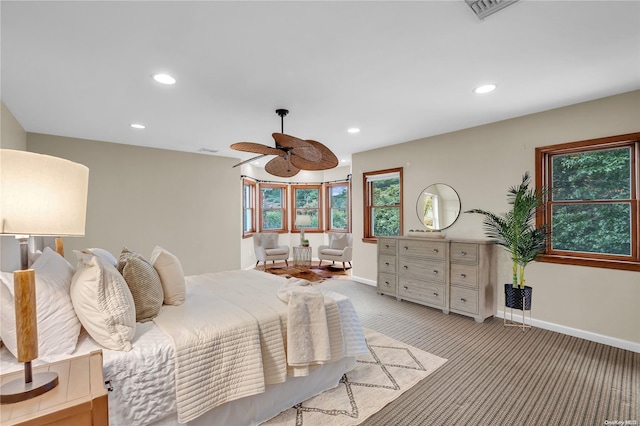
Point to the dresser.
(80, 399)
(453, 275)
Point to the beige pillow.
(269, 241)
(144, 283)
(103, 302)
(171, 275)
(338, 241)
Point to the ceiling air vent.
(484, 8)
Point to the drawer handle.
(435, 294)
(386, 283)
(462, 299)
(435, 250)
(406, 248)
(406, 288)
(386, 263)
(405, 267)
(386, 245)
(435, 271)
(463, 253)
(463, 275)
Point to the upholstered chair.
(265, 245)
(339, 249)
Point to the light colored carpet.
(390, 369)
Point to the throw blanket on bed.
(230, 337)
(314, 333)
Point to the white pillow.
(103, 302)
(171, 275)
(105, 255)
(58, 325)
(338, 241)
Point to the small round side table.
(302, 256)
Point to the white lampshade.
(303, 220)
(42, 195)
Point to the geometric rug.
(390, 368)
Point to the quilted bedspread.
(230, 338)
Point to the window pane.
(386, 192)
(592, 228)
(592, 175)
(271, 198)
(307, 198)
(272, 219)
(247, 220)
(386, 221)
(339, 219)
(339, 197)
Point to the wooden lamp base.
(27, 334)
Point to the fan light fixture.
(292, 154)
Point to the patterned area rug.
(313, 274)
(387, 372)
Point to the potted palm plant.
(517, 232)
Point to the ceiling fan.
(292, 154)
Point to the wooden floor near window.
(497, 375)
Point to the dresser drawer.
(387, 246)
(465, 300)
(418, 290)
(387, 283)
(428, 249)
(464, 252)
(466, 275)
(422, 269)
(387, 264)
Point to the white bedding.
(143, 380)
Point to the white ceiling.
(397, 70)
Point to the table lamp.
(39, 195)
(302, 221)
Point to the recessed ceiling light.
(138, 126)
(164, 79)
(485, 88)
(353, 130)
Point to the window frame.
(283, 208)
(544, 156)
(368, 236)
(294, 207)
(328, 206)
(252, 199)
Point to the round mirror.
(438, 206)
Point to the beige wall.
(142, 197)
(481, 163)
(12, 136)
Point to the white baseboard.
(364, 281)
(587, 335)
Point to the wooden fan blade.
(328, 160)
(249, 160)
(302, 148)
(281, 166)
(256, 148)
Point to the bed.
(235, 352)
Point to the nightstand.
(80, 399)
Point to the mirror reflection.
(438, 206)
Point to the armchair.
(339, 249)
(265, 245)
